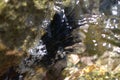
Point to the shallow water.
(93, 23)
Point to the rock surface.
(95, 54)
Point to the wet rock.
(19, 27)
(57, 42)
(55, 71)
(8, 59)
(110, 60)
(110, 7)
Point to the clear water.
(94, 22)
(97, 20)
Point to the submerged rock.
(80, 36)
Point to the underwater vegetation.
(59, 40)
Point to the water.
(100, 34)
(94, 23)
